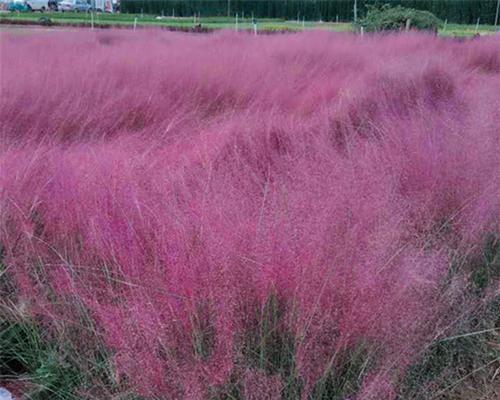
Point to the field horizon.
(205, 24)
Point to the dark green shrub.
(387, 18)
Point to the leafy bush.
(387, 18)
(246, 216)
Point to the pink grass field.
(189, 191)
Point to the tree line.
(458, 11)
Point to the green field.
(173, 22)
(104, 19)
(467, 30)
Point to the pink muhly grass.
(259, 386)
(216, 200)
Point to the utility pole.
(356, 10)
(228, 8)
(496, 15)
(92, 10)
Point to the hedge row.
(458, 11)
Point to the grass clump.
(465, 364)
(462, 366)
(27, 355)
